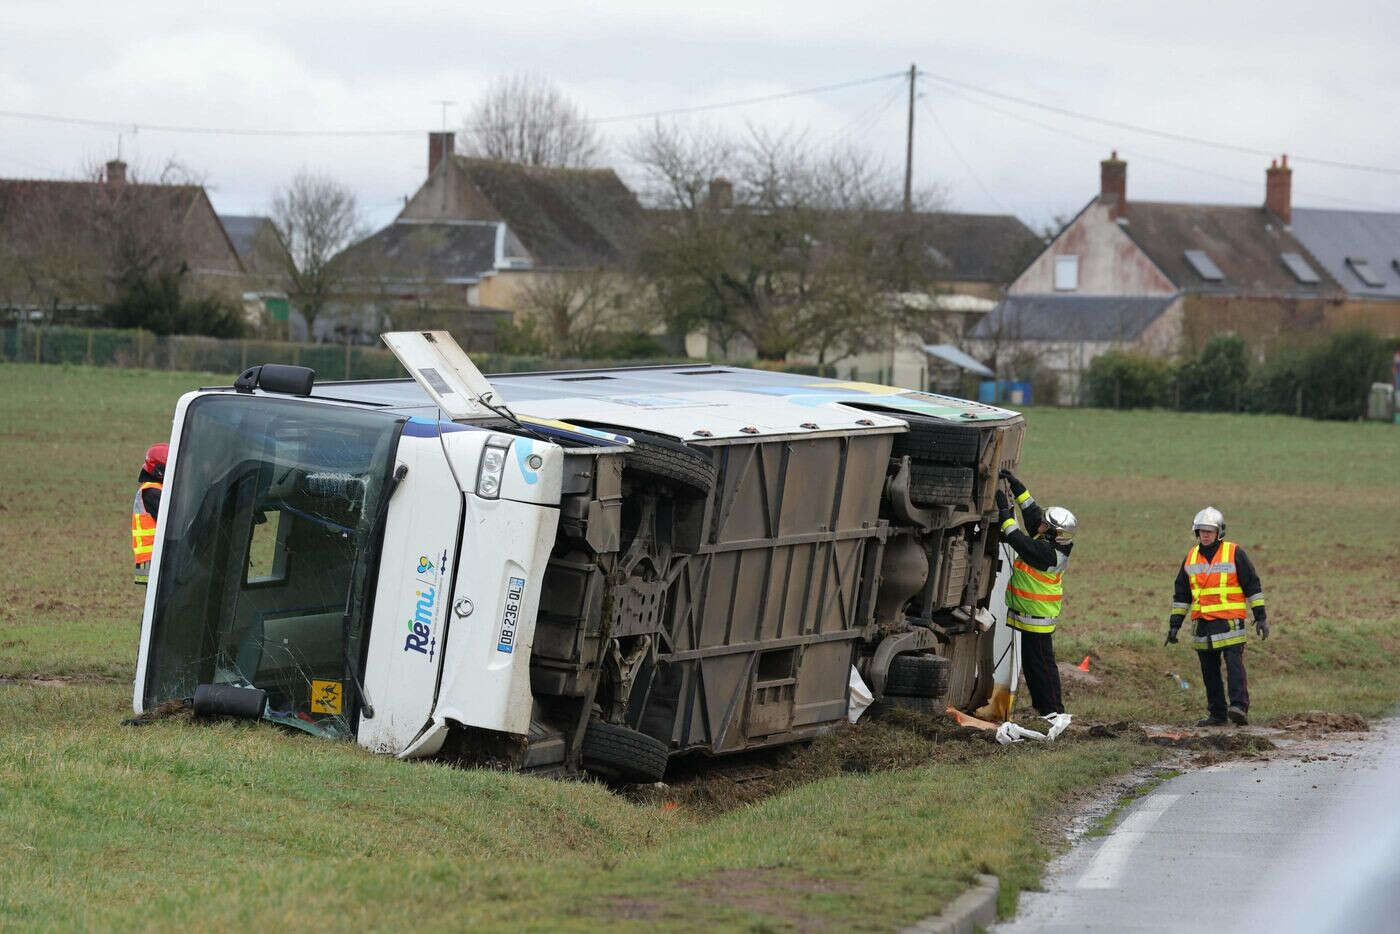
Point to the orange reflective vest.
(1033, 597)
(143, 526)
(1216, 594)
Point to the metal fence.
(144, 350)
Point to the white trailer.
(586, 569)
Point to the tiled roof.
(1070, 318)
(242, 230)
(563, 217)
(980, 247)
(424, 251)
(1335, 236)
(1245, 242)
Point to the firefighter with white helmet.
(1034, 593)
(1216, 585)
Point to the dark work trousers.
(1042, 677)
(1234, 674)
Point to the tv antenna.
(444, 105)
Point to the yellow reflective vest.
(1033, 596)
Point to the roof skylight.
(1364, 272)
(1205, 266)
(1300, 268)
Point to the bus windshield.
(272, 507)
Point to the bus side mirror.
(276, 377)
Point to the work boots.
(1237, 715)
(1211, 721)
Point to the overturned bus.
(589, 569)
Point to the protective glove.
(1003, 507)
(1017, 486)
(1261, 626)
(1172, 629)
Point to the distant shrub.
(1216, 379)
(159, 304)
(1329, 380)
(1119, 380)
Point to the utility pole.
(909, 146)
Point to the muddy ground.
(889, 738)
(895, 738)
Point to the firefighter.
(1216, 584)
(145, 507)
(1036, 586)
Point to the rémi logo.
(421, 638)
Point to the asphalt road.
(1307, 841)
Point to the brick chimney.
(1278, 189)
(116, 173)
(439, 146)
(721, 194)
(1113, 184)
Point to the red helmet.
(155, 457)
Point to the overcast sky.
(1314, 81)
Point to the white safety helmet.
(1062, 523)
(1209, 518)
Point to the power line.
(948, 138)
(263, 132)
(1160, 134)
(745, 102)
(1158, 160)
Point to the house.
(266, 259)
(483, 237)
(66, 245)
(1158, 278)
(954, 266)
(974, 257)
(1361, 251)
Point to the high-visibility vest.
(1033, 596)
(143, 526)
(1216, 594)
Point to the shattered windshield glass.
(272, 506)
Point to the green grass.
(171, 824)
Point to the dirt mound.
(1075, 674)
(1320, 723)
(170, 710)
(1235, 741)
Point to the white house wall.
(1110, 263)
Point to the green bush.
(1216, 380)
(159, 304)
(1119, 380)
(1328, 380)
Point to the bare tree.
(316, 217)
(799, 251)
(574, 308)
(527, 119)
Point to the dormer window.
(1066, 273)
(1364, 272)
(1205, 266)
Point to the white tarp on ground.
(861, 697)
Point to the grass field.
(233, 825)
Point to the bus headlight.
(493, 465)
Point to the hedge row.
(144, 350)
(1329, 380)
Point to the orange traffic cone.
(1084, 665)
